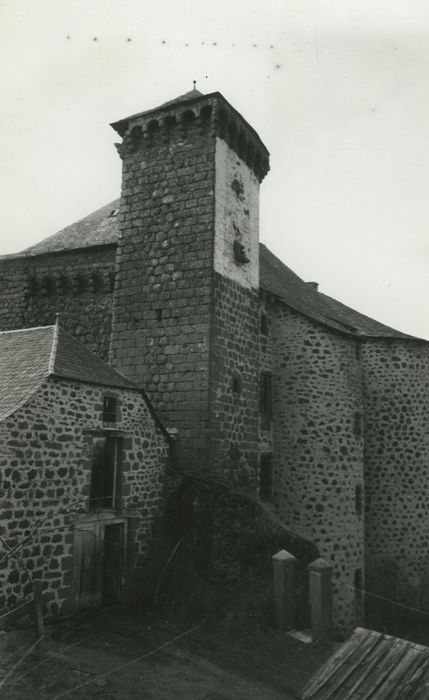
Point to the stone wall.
(318, 447)
(233, 383)
(77, 284)
(266, 363)
(214, 572)
(45, 469)
(396, 470)
(236, 217)
(161, 313)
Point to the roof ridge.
(31, 328)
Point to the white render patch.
(236, 217)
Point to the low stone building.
(82, 469)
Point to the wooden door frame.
(96, 524)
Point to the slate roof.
(372, 666)
(24, 362)
(283, 283)
(29, 356)
(100, 228)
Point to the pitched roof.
(371, 665)
(29, 356)
(282, 282)
(98, 228)
(101, 228)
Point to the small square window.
(110, 409)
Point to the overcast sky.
(338, 92)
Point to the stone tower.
(185, 311)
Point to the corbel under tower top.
(210, 112)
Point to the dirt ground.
(128, 654)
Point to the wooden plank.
(417, 676)
(393, 682)
(352, 675)
(378, 671)
(412, 685)
(421, 691)
(330, 666)
(344, 668)
(378, 663)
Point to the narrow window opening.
(266, 400)
(81, 284)
(264, 324)
(113, 213)
(266, 477)
(48, 286)
(152, 131)
(33, 286)
(359, 593)
(358, 424)
(359, 499)
(136, 139)
(159, 314)
(110, 409)
(358, 581)
(236, 384)
(106, 474)
(65, 284)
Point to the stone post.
(320, 581)
(284, 589)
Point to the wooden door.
(99, 557)
(87, 565)
(112, 562)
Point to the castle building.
(270, 386)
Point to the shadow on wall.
(213, 554)
(392, 608)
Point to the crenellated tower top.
(211, 113)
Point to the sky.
(338, 92)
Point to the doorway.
(112, 563)
(99, 562)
